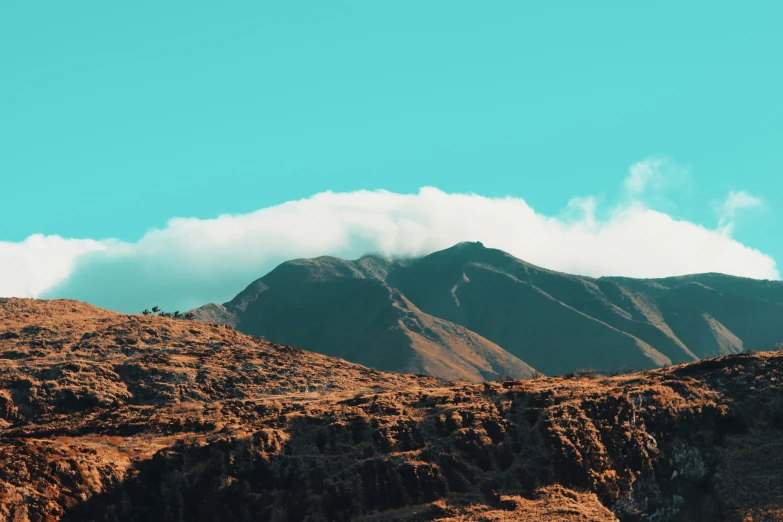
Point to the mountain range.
(474, 313)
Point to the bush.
(175, 315)
(585, 373)
(622, 370)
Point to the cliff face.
(484, 314)
(115, 417)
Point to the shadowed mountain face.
(345, 309)
(108, 417)
(472, 313)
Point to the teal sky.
(115, 117)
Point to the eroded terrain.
(105, 416)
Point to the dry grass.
(98, 407)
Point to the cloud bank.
(195, 261)
(40, 262)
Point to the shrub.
(622, 370)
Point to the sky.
(175, 151)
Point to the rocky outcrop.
(112, 417)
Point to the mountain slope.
(555, 322)
(345, 309)
(107, 417)
(669, 320)
(372, 311)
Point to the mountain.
(346, 309)
(107, 417)
(474, 313)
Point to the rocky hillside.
(474, 313)
(110, 417)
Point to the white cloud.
(641, 174)
(655, 173)
(39, 262)
(734, 202)
(193, 261)
(587, 206)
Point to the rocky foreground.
(112, 417)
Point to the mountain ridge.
(546, 320)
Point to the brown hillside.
(116, 417)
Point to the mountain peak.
(470, 252)
(470, 244)
(467, 247)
